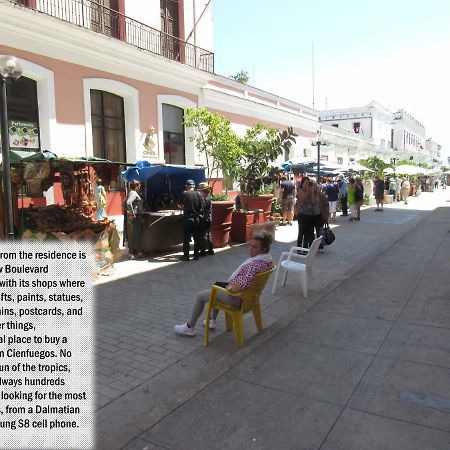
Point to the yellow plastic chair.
(235, 316)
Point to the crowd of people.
(316, 205)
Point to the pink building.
(112, 79)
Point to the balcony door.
(170, 47)
(105, 17)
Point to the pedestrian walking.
(398, 190)
(379, 193)
(332, 193)
(392, 188)
(287, 200)
(351, 200)
(308, 212)
(343, 192)
(359, 196)
(405, 190)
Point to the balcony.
(111, 23)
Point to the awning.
(165, 177)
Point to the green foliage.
(242, 77)
(408, 163)
(376, 164)
(219, 197)
(260, 146)
(214, 137)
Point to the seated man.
(240, 280)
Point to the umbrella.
(405, 169)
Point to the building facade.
(113, 78)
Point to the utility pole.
(312, 64)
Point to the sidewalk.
(316, 377)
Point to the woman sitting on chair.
(240, 280)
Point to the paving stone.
(339, 331)
(234, 414)
(317, 372)
(417, 393)
(356, 430)
(418, 343)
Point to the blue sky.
(394, 52)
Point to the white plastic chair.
(291, 261)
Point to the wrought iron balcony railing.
(91, 15)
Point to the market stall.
(162, 187)
(74, 219)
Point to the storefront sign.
(23, 135)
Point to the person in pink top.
(240, 280)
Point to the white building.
(434, 152)
(372, 121)
(409, 137)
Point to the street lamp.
(393, 161)
(318, 144)
(10, 71)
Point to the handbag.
(327, 234)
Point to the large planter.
(254, 202)
(221, 223)
(242, 226)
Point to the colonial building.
(112, 79)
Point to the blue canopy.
(164, 178)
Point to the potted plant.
(260, 146)
(215, 139)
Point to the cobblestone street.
(371, 291)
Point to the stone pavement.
(362, 363)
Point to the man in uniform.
(193, 206)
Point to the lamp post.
(318, 143)
(393, 161)
(10, 71)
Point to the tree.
(214, 138)
(375, 164)
(242, 77)
(260, 146)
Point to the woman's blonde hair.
(265, 239)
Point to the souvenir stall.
(73, 219)
(162, 186)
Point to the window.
(104, 18)
(108, 129)
(23, 114)
(336, 125)
(170, 46)
(356, 127)
(340, 160)
(173, 133)
(383, 142)
(324, 157)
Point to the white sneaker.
(184, 329)
(212, 324)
